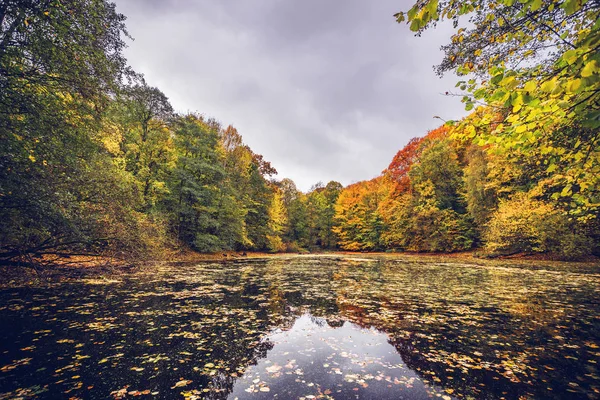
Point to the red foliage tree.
(398, 169)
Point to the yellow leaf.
(589, 69)
(530, 86)
(521, 128)
(574, 85)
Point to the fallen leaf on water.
(273, 369)
(181, 383)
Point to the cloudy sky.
(324, 89)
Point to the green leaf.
(535, 5)
(412, 13)
(497, 79)
(574, 85)
(570, 56)
(415, 25)
(432, 7)
(571, 6)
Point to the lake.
(307, 327)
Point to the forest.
(94, 160)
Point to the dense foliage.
(445, 194)
(532, 68)
(93, 160)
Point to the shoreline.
(85, 267)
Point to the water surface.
(307, 327)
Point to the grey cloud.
(323, 89)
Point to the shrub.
(526, 225)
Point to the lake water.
(329, 327)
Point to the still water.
(328, 327)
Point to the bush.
(526, 225)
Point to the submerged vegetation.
(96, 161)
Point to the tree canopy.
(94, 160)
(535, 67)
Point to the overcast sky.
(325, 90)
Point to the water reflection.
(209, 331)
(314, 359)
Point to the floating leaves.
(181, 383)
(15, 364)
(308, 327)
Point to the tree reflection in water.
(205, 331)
(314, 360)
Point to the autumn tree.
(433, 216)
(407, 156)
(358, 223)
(537, 63)
(480, 196)
(277, 222)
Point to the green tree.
(247, 174)
(438, 165)
(72, 46)
(297, 233)
(143, 113)
(321, 202)
(60, 64)
(194, 192)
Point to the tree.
(407, 156)
(431, 215)
(297, 229)
(480, 196)
(326, 217)
(320, 204)
(60, 64)
(358, 223)
(537, 64)
(72, 46)
(194, 185)
(143, 112)
(277, 222)
(438, 166)
(526, 225)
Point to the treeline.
(443, 193)
(522, 173)
(93, 160)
